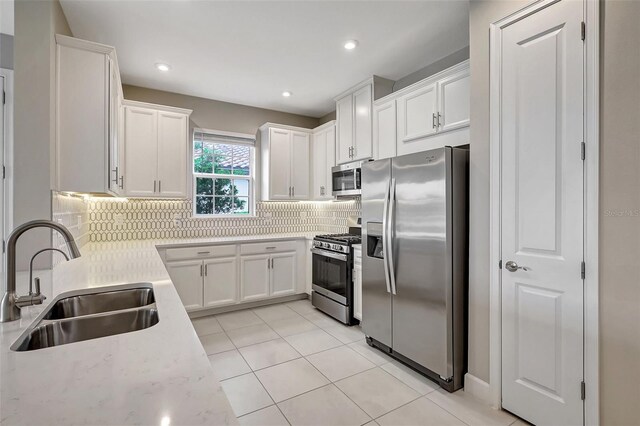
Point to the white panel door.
(542, 215)
(300, 164)
(283, 274)
(417, 115)
(320, 167)
(362, 124)
(187, 279)
(279, 164)
(254, 276)
(344, 135)
(141, 129)
(384, 130)
(172, 154)
(453, 99)
(220, 283)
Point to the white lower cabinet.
(220, 283)
(187, 278)
(254, 276)
(357, 283)
(223, 275)
(283, 274)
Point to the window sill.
(224, 216)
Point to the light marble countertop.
(150, 376)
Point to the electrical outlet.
(118, 219)
(177, 220)
(303, 216)
(267, 214)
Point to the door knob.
(512, 266)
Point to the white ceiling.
(250, 52)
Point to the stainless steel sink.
(91, 314)
(96, 303)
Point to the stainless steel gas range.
(332, 274)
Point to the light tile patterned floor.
(291, 364)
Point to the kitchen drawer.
(276, 246)
(200, 252)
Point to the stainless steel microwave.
(346, 181)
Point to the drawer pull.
(270, 248)
(204, 252)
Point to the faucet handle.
(36, 283)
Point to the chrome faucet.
(11, 303)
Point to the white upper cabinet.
(156, 146)
(384, 130)
(88, 93)
(141, 151)
(453, 101)
(354, 119)
(172, 154)
(429, 114)
(300, 181)
(285, 162)
(417, 114)
(324, 158)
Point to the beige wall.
(217, 115)
(481, 14)
(620, 194)
(36, 23)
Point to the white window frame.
(223, 135)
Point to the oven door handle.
(330, 254)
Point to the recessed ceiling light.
(163, 67)
(351, 44)
(286, 94)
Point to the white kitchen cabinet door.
(172, 154)
(115, 168)
(319, 157)
(254, 276)
(344, 136)
(453, 101)
(283, 274)
(279, 164)
(141, 135)
(362, 124)
(300, 165)
(417, 115)
(220, 283)
(187, 279)
(384, 130)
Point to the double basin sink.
(91, 314)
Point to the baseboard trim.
(477, 388)
(202, 312)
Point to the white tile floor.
(291, 364)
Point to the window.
(222, 174)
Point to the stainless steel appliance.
(414, 260)
(332, 280)
(346, 180)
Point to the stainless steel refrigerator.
(415, 260)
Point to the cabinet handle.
(270, 248)
(433, 120)
(271, 263)
(159, 186)
(293, 191)
(439, 117)
(154, 186)
(268, 263)
(201, 270)
(122, 182)
(204, 252)
(116, 172)
(206, 270)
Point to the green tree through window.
(222, 174)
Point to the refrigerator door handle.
(392, 269)
(385, 247)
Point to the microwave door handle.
(390, 221)
(385, 247)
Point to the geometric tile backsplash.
(143, 219)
